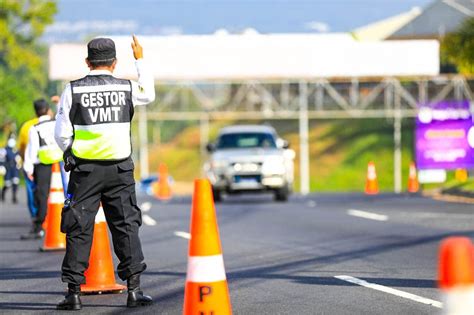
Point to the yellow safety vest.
(49, 152)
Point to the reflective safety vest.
(48, 152)
(101, 112)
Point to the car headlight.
(219, 164)
(274, 165)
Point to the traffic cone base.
(100, 277)
(100, 289)
(161, 192)
(54, 240)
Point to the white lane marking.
(367, 215)
(432, 215)
(185, 235)
(146, 206)
(311, 203)
(148, 220)
(388, 290)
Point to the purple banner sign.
(445, 136)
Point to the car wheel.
(217, 195)
(282, 194)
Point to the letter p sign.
(204, 290)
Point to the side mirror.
(282, 144)
(210, 147)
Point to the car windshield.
(246, 140)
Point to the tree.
(23, 75)
(458, 47)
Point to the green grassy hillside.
(339, 151)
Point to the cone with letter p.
(206, 290)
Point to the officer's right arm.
(143, 91)
(63, 131)
(31, 153)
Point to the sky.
(79, 19)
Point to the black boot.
(36, 232)
(4, 191)
(72, 301)
(135, 295)
(14, 198)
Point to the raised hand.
(137, 48)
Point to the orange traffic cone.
(371, 185)
(162, 189)
(456, 275)
(45, 222)
(413, 185)
(100, 276)
(206, 290)
(54, 239)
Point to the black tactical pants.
(112, 184)
(42, 179)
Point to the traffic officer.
(30, 185)
(41, 152)
(93, 129)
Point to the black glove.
(69, 160)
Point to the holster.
(69, 160)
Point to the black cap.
(40, 105)
(100, 50)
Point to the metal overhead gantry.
(391, 98)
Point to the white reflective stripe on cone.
(206, 269)
(100, 216)
(56, 181)
(459, 301)
(56, 197)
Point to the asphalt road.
(281, 258)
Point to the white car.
(250, 158)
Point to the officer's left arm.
(63, 131)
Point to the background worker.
(30, 185)
(11, 161)
(93, 128)
(41, 152)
